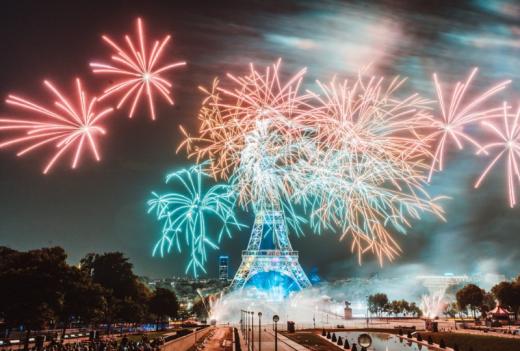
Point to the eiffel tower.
(269, 250)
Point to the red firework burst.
(139, 70)
(68, 127)
(506, 146)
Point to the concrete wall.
(185, 342)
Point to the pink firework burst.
(456, 114)
(507, 145)
(139, 69)
(69, 127)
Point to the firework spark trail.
(351, 155)
(187, 211)
(249, 134)
(455, 116)
(139, 69)
(69, 127)
(433, 305)
(508, 146)
(367, 175)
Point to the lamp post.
(245, 330)
(259, 331)
(275, 320)
(252, 330)
(246, 316)
(367, 311)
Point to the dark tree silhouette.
(472, 297)
(125, 296)
(508, 294)
(163, 304)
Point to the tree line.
(469, 300)
(40, 290)
(379, 304)
(475, 300)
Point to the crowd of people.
(124, 344)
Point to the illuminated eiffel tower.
(270, 251)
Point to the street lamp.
(252, 330)
(246, 316)
(259, 331)
(367, 311)
(275, 320)
(245, 330)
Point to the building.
(223, 268)
(436, 283)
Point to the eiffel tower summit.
(269, 264)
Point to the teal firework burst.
(185, 214)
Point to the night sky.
(102, 207)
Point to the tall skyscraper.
(223, 267)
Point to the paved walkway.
(267, 343)
(220, 340)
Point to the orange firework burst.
(71, 126)
(350, 155)
(139, 70)
(228, 115)
(367, 176)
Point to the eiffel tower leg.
(299, 276)
(282, 258)
(242, 274)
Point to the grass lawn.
(467, 342)
(312, 341)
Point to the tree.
(415, 311)
(470, 296)
(405, 307)
(451, 310)
(125, 296)
(508, 294)
(396, 307)
(83, 300)
(377, 303)
(200, 307)
(33, 282)
(488, 303)
(163, 304)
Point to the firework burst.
(455, 115)
(508, 146)
(186, 212)
(367, 175)
(250, 135)
(140, 71)
(70, 127)
(351, 155)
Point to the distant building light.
(223, 268)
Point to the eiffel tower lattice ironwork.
(269, 250)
